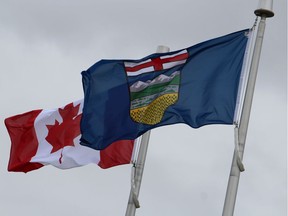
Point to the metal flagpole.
(264, 11)
(138, 167)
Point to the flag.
(197, 86)
(43, 137)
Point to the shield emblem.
(154, 86)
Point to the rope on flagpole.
(238, 159)
(133, 187)
(133, 172)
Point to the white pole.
(139, 166)
(265, 10)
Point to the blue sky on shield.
(46, 44)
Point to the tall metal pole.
(139, 166)
(264, 11)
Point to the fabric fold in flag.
(196, 86)
(43, 137)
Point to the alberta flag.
(51, 137)
(196, 86)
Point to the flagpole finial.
(162, 49)
(265, 8)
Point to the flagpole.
(264, 11)
(138, 168)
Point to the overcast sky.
(44, 46)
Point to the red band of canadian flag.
(156, 64)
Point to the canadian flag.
(43, 137)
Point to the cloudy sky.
(44, 46)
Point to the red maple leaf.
(60, 135)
